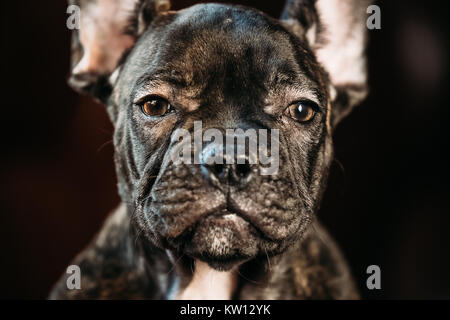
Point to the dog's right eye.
(155, 107)
(302, 111)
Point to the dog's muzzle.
(221, 209)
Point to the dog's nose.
(238, 174)
(219, 167)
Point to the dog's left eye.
(155, 107)
(301, 111)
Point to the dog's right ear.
(336, 31)
(108, 28)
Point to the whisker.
(104, 145)
(193, 267)
(341, 166)
(175, 264)
(318, 234)
(268, 260)
(245, 278)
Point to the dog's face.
(228, 68)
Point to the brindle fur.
(116, 266)
(219, 64)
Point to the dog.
(181, 228)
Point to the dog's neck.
(209, 284)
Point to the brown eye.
(301, 111)
(156, 107)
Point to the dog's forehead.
(220, 50)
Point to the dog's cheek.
(309, 152)
(124, 179)
(321, 169)
(137, 146)
(150, 136)
(297, 144)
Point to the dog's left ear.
(336, 31)
(107, 29)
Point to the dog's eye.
(301, 111)
(156, 107)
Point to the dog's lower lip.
(231, 215)
(223, 264)
(228, 213)
(232, 210)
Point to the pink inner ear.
(101, 35)
(342, 53)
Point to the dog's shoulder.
(314, 268)
(113, 266)
(320, 269)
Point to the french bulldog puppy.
(223, 231)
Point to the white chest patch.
(209, 284)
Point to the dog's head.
(225, 67)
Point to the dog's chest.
(208, 284)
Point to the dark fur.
(229, 70)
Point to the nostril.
(243, 170)
(242, 174)
(218, 169)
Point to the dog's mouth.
(222, 239)
(221, 230)
(220, 226)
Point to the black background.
(388, 197)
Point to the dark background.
(388, 197)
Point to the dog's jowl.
(222, 220)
